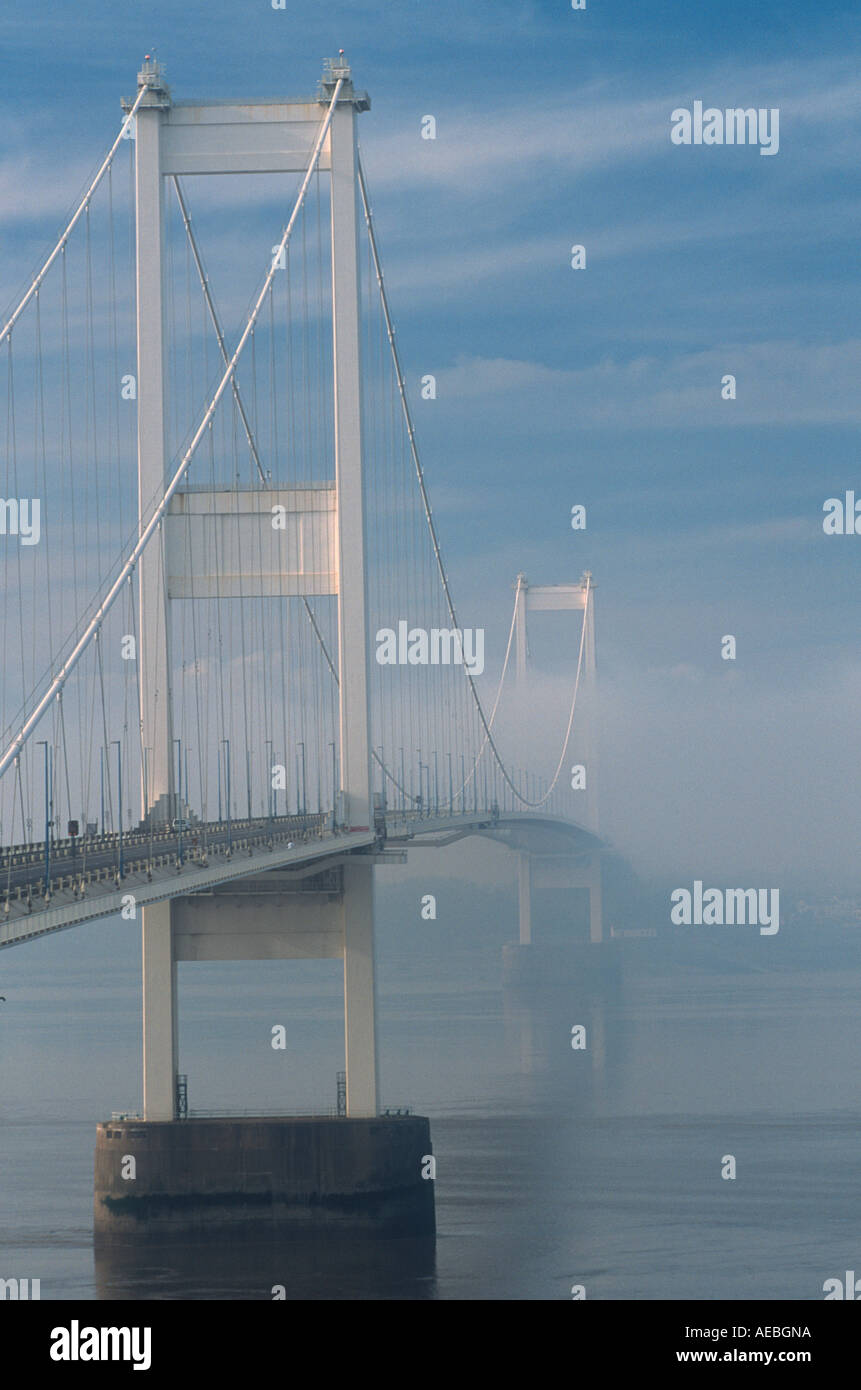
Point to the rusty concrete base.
(201, 1178)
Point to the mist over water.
(555, 1166)
(598, 386)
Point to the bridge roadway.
(85, 882)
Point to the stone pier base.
(201, 1178)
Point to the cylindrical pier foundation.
(197, 1178)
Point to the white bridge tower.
(173, 140)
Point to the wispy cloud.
(595, 128)
(777, 382)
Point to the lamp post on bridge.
(421, 801)
(43, 743)
(119, 804)
(227, 782)
(302, 746)
(146, 753)
(179, 818)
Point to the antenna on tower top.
(152, 75)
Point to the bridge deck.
(172, 866)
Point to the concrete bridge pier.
(160, 1035)
(551, 948)
(360, 987)
(194, 1177)
(309, 914)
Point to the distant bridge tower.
(558, 869)
(558, 598)
(270, 138)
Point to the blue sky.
(599, 386)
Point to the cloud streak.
(778, 382)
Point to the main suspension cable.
(84, 203)
(488, 739)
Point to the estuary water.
(598, 1166)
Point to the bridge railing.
(100, 861)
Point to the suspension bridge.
(235, 679)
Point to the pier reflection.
(568, 1038)
(306, 1266)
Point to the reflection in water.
(560, 1036)
(321, 1265)
(555, 1166)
